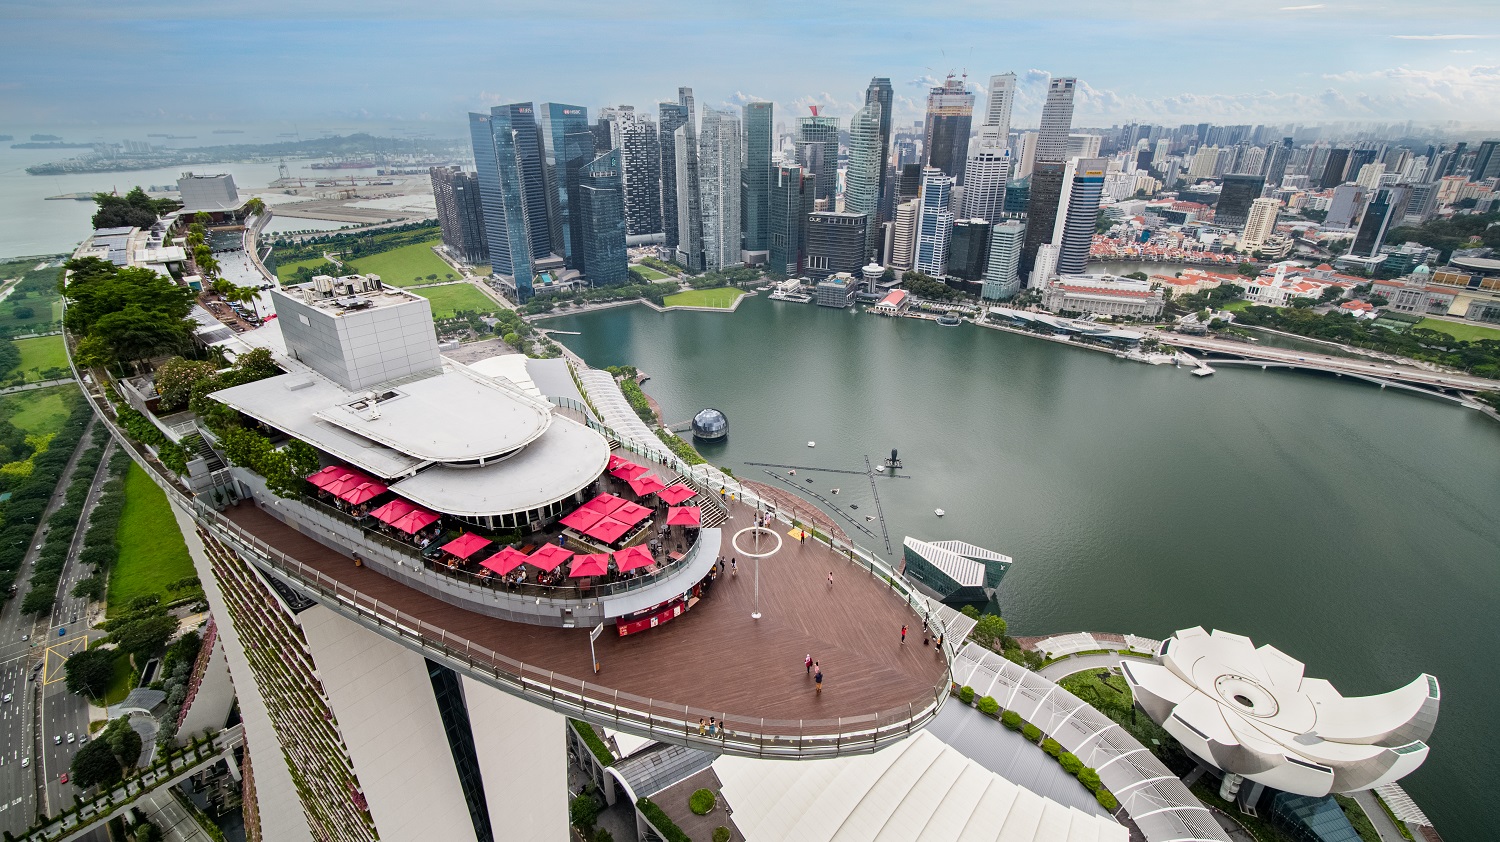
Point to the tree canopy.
(143, 630)
(132, 313)
(89, 672)
(133, 210)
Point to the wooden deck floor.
(715, 657)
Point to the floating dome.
(1251, 711)
(710, 424)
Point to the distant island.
(6, 137)
(51, 144)
(228, 131)
(364, 147)
(45, 138)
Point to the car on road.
(62, 631)
(6, 699)
(25, 761)
(25, 637)
(63, 779)
(57, 739)
(71, 739)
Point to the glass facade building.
(823, 131)
(507, 159)
(1235, 195)
(934, 222)
(950, 114)
(460, 214)
(640, 167)
(792, 192)
(568, 149)
(601, 212)
(759, 133)
(671, 117)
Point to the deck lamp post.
(757, 553)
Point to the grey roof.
(965, 571)
(553, 378)
(654, 769)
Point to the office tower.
(719, 188)
(1334, 167)
(1057, 120)
(862, 176)
(1002, 273)
(988, 172)
(1077, 213)
(836, 242)
(1486, 161)
(1422, 205)
(934, 222)
(1346, 206)
(1276, 161)
(569, 147)
(601, 213)
(671, 117)
(945, 137)
(1358, 158)
(1252, 161)
(512, 189)
(1083, 146)
(904, 235)
(640, 171)
(882, 94)
(810, 155)
(823, 160)
(755, 179)
(1369, 176)
(1260, 225)
(1387, 206)
(1044, 192)
(1046, 266)
(1017, 197)
(997, 108)
(1025, 156)
(908, 182)
(1235, 196)
(1159, 157)
(689, 197)
(1205, 163)
(792, 192)
(460, 214)
(968, 249)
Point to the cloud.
(1306, 8)
(827, 104)
(740, 98)
(1442, 37)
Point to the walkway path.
(39, 385)
(1378, 817)
(1058, 670)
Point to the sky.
(72, 64)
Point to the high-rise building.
(1235, 196)
(671, 117)
(640, 170)
(823, 161)
(689, 198)
(968, 249)
(811, 155)
(1486, 161)
(1057, 120)
(1346, 207)
(1205, 163)
(1025, 154)
(908, 182)
(1334, 167)
(1260, 225)
(997, 108)
(904, 235)
(1251, 162)
(568, 148)
(987, 173)
(1044, 192)
(1276, 161)
(1046, 267)
(512, 188)
(1077, 213)
(602, 221)
(945, 136)
(1358, 158)
(460, 214)
(934, 222)
(1387, 207)
(882, 94)
(1083, 146)
(1002, 274)
(719, 187)
(792, 195)
(836, 242)
(755, 179)
(1369, 175)
(862, 176)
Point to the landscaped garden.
(449, 299)
(153, 556)
(42, 357)
(406, 266)
(722, 298)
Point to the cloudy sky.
(82, 62)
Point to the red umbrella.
(684, 516)
(466, 545)
(628, 471)
(393, 511)
(415, 521)
(647, 484)
(504, 561)
(346, 483)
(632, 557)
(327, 475)
(631, 513)
(616, 461)
(363, 493)
(548, 557)
(589, 565)
(674, 494)
(608, 530)
(582, 519)
(604, 503)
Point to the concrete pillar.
(1230, 786)
(234, 767)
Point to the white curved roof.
(1251, 711)
(566, 458)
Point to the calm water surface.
(1354, 529)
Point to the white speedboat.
(812, 444)
(939, 512)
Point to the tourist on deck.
(734, 567)
(808, 663)
(903, 634)
(818, 682)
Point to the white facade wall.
(985, 177)
(524, 762)
(215, 696)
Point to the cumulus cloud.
(740, 98)
(826, 102)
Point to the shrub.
(591, 739)
(661, 821)
(601, 835)
(702, 802)
(1089, 778)
(721, 834)
(1052, 747)
(966, 695)
(583, 811)
(1031, 732)
(1070, 762)
(1107, 800)
(988, 706)
(1011, 720)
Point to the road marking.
(57, 655)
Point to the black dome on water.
(710, 424)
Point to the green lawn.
(40, 354)
(1466, 332)
(39, 410)
(448, 299)
(721, 297)
(122, 682)
(287, 271)
(406, 265)
(152, 552)
(1237, 306)
(649, 273)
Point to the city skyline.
(1328, 62)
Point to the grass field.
(1237, 306)
(152, 552)
(40, 354)
(398, 267)
(447, 300)
(39, 410)
(286, 271)
(649, 273)
(721, 297)
(1468, 333)
(121, 682)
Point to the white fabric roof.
(511, 367)
(919, 789)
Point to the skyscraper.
(689, 198)
(508, 161)
(1002, 274)
(1047, 171)
(968, 248)
(1276, 160)
(881, 93)
(1486, 161)
(640, 171)
(1046, 266)
(1260, 225)
(1387, 207)
(945, 136)
(672, 116)
(601, 213)
(569, 148)
(755, 178)
(835, 243)
(934, 222)
(1073, 233)
(1235, 196)
(792, 191)
(997, 108)
(987, 174)
(862, 177)
(460, 214)
(823, 131)
(1057, 120)
(719, 188)
(1334, 167)
(904, 238)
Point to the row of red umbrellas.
(347, 484)
(551, 556)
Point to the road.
(20, 663)
(167, 813)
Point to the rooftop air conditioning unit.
(323, 284)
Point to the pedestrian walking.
(830, 578)
(702, 726)
(808, 663)
(818, 683)
(903, 634)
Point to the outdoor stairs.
(713, 516)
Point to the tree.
(135, 333)
(1247, 269)
(144, 630)
(583, 812)
(1331, 293)
(90, 671)
(1138, 276)
(96, 288)
(133, 210)
(255, 206)
(1377, 300)
(990, 628)
(89, 587)
(95, 765)
(124, 743)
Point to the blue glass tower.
(601, 214)
(569, 148)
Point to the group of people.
(815, 670)
(709, 727)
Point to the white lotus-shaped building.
(1251, 711)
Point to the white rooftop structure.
(1252, 712)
